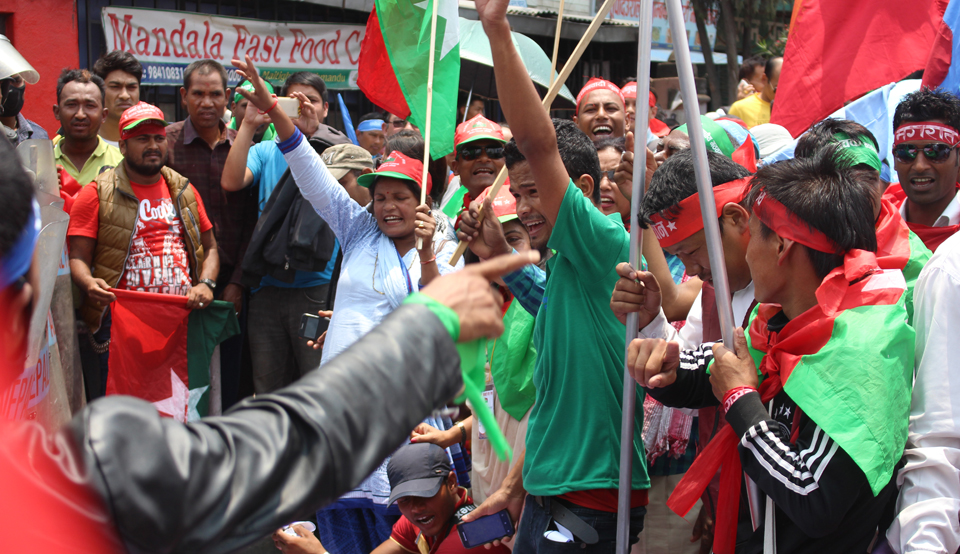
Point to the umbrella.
(476, 64)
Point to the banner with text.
(166, 42)
(629, 10)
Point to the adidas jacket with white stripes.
(824, 504)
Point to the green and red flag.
(394, 65)
(160, 350)
(847, 363)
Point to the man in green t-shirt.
(571, 465)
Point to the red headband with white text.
(598, 84)
(926, 130)
(788, 225)
(689, 220)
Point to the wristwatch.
(210, 283)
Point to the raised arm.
(531, 125)
(236, 175)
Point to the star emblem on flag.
(181, 405)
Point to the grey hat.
(770, 138)
(341, 158)
(11, 63)
(417, 469)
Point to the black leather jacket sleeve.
(222, 483)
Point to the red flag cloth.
(69, 188)
(375, 75)
(932, 237)
(838, 51)
(140, 344)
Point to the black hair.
(80, 76)
(307, 78)
(676, 180)
(371, 115)
(928, 105)
(118, 59)
(770, 65)
(577, 151)
(625, 80)
(822, 134)
(617, 143)
(17, 192)
(410, 144)
(204, 67)
(750, 65)
(827, 198)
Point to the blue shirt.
(267, 164)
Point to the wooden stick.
(556, 44)
(547, 102)
(426, 133)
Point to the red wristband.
(275, 102)
(430, 261)
(735, 394)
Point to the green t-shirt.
(573, 436)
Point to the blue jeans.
(536, 520)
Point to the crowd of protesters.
(829, 425)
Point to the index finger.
(502, 265)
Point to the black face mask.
(12, 101)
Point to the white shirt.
(950, 215)
(929, 500)
(359, 307)
(691, 334)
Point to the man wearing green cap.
(165, 242)
(263, 133)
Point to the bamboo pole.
(547, 102)
(426, 133)
(644, 40)
(556, 44)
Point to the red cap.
(594, 84)
(478, 128)
(134, 116)
(504, 204)
(653, 99)
(629, 90)
(398, 166)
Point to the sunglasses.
(936, 152)
(471, 153)
(608, 174)
(399, 123)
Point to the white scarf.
(392, 273)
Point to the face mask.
(12, 101)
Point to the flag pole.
(547, 102)
(644, 33)
(426, 133)
(708, 205)
(556, 44)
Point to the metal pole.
(708, 205)
(636, 239)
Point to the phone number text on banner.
(166, 42)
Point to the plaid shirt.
(233, 214)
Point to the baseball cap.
(478, 128)
(139, 114)
(417, 469)
(341, 158)
(504, 204)
(398, 166)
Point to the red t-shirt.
(158, 260)
(405, 534)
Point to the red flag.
(837, 51)
(375, 75)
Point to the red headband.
(596, 84)
(788, 225)
(145, 128)
(926, 130)
(690, 220)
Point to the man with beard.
(141, 226)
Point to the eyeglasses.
(471, 153)
(936, 152)
(608, 174)
(399, 123)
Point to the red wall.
(45, 33)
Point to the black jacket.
(225, 482)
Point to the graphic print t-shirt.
(158, 260)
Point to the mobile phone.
(312, 326)
(289, 106)
(485, 529)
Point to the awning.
(666, 55)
